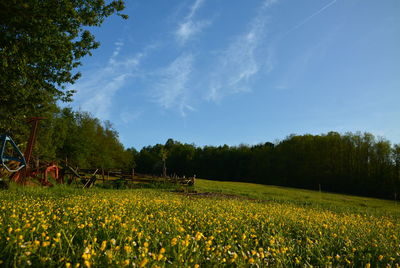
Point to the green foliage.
(82, 141)
(41, 43)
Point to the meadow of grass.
(66, 227)
(302, 197)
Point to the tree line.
(353, 163)
(81, 140)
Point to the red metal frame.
(20, 176)
(32, 137)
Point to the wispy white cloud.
(268, 3)
(190, 27)
(240, 61)
(129, 116)
(172, 89)
(193, 9)
(95, 90)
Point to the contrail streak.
(310, 17)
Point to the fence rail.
(88, 177)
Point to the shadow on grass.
(124, 184)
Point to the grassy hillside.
(303, 198)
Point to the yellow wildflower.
(143, 262)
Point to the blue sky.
(214, 72)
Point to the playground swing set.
(18, 164)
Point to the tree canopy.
(355, 163)
(82, 140)
(41, 43)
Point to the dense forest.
(355, 163)
(352, 163)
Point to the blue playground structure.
(9, 152)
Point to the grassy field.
(238, 225)
(304, 198)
